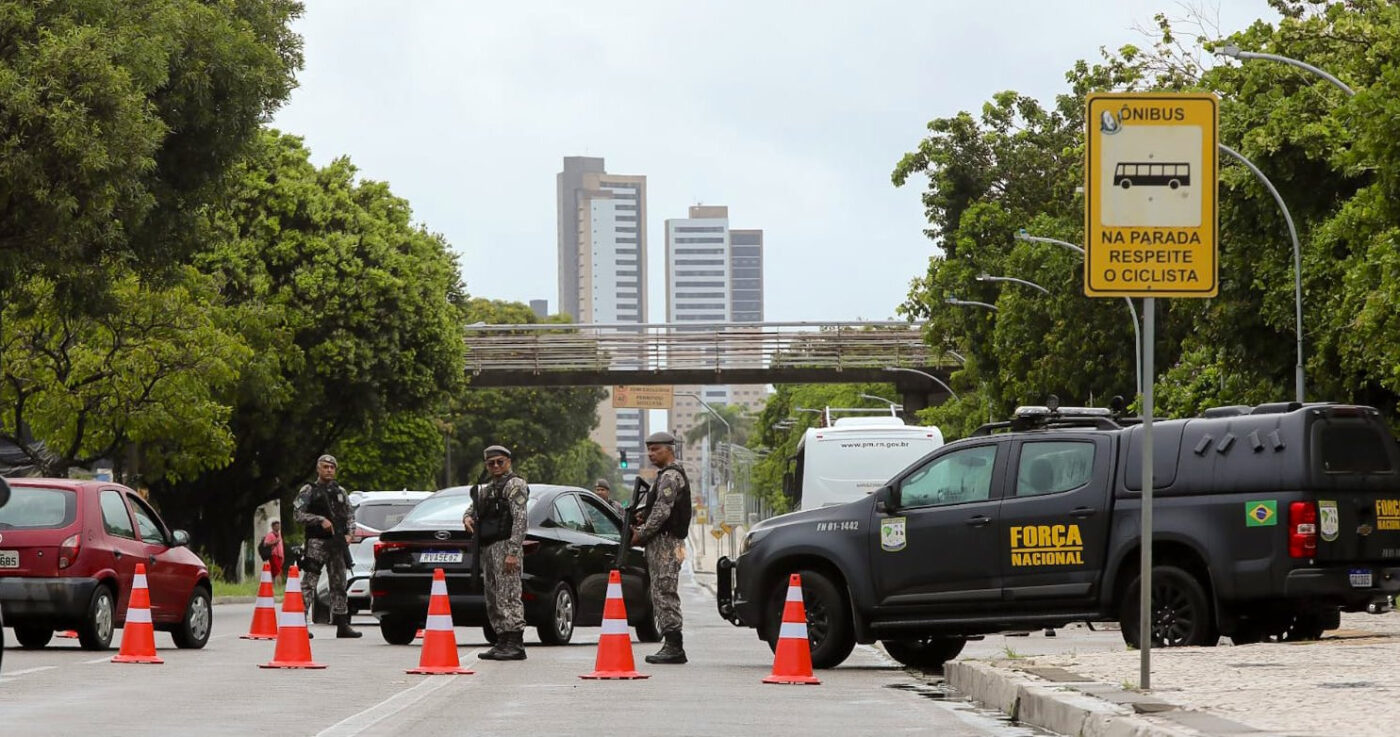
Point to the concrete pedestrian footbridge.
(604, 354)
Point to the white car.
(375, 512)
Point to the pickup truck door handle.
(980, 520)
(1083, 512)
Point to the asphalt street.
(62, 690)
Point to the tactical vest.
(493, 514)
(678, 524)
(318, 502)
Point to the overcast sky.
(792, 113)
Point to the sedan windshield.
(443, 510)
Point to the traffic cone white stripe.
(291, 619)
(797, 630)
(139, 582)
(794, 594)
(263, 602)
(615, 627)
(614, 591)
(439, 588)
(138, 616)
(439, 622)
(293, 584)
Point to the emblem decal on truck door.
(892, 536)
(1329, 520)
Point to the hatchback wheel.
(397, 631)
(96, 631)
(560, 627)
(193, 631)
(32, 637)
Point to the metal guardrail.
(545, 347)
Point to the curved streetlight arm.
(1234, 51)
(1022, 235)
(1297, 267)
(970, 303)
(1014, 280)
(926, 375)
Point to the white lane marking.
(98, 660)
(359, 723)
(26, 671)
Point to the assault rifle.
(632, 514)
(475, 583)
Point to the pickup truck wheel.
(928, 652)
(1304, 627)
(829, 630)
(647, 631)
(1181, 611)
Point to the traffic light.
(622, 459)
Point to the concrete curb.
(1078, 708)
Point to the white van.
(853, 458)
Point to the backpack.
(264, 550)
(678, 524)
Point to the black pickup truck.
(1268, 522)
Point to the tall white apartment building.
(602, 276)
(714, 274)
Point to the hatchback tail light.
(360, 533)
(1302, 530)
(382, 548)
(68, 550)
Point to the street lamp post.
(728, 431)
(969, 303)
(1235, 52)
(1297, 270)
(926, 375)
(893, 405)
(1132, 309)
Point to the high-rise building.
(602, 276)
(713, 275)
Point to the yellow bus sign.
(1150, 213)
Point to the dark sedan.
(570, 547)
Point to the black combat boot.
(514, 646)
(671, 653)
(498, 649)
(342, 627)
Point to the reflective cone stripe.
(138, 636)
(264, 625)
(792, 661)
(439, 653)
(615, 640)
(293, 643)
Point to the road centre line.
(358, 723)
(26, 671)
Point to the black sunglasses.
(495, 462)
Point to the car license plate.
(9, 559)
(440, 556)
(1360, 578)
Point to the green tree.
(120, 120)
(146, 373)
(352, 311)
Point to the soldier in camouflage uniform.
(501, 558)
(324, 509)
(669, 494)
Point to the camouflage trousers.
(332, 560)
(664, 567)
(505, 610)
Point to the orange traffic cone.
(138, 636)
(615, 642)
(293, 643)
(439, 656)
(264, 626)
(69, 634)
(792, 663)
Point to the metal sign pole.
(1149, 315)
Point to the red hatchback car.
(68, 554)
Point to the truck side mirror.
(887, 500)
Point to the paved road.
(63, 690)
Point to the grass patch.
(247, 588)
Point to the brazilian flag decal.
(1261, 514)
